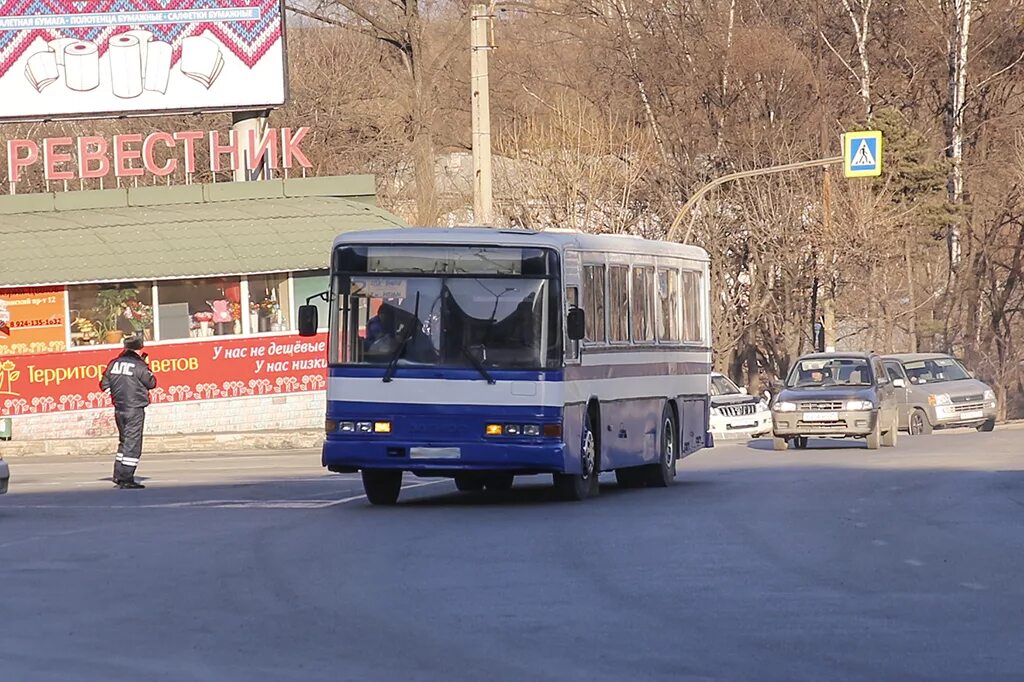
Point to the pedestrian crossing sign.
(862, 154)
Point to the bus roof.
(557, 239)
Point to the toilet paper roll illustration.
(158, 66)
(57, 48)
(125, 58)
(81, 66)
(144, 38)
(201, 59)
(41, 70)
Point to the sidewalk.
(202, 442)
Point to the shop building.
(211, 274)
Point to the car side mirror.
(575, 324)
(308, 320)
(899, 383)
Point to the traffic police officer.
(129, 380)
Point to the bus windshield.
(500, 319)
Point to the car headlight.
(785, 406)
(857, 405)
(990, 394)
(939, 399)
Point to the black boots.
(130, 485)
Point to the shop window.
(200, 307)
(269, 304)
(105, 313)
(311, 283)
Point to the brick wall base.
(288, 412)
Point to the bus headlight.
(364, 427)
(531, 429)
(347, 427)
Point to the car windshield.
(829, 372)
(722, 385)
(935, 371)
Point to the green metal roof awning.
(178, 232)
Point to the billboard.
(208, 370)
(91, 58)
(32, 320)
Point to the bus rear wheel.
(662, 474)
(576, 487)
(382, 486)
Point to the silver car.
(5, 476)
(940, 393)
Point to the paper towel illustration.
(81, 66)
(57, 48)
(158, 66)
(41, 70)
(124, 56)
(201, 59)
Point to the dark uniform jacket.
(129, 380)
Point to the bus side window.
(593, 302)
(572, 349)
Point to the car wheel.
(987, 426)
(875, 437)
(779, 443)
(382, 486)
(889, 437)
(919, 424)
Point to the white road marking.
(973, 586)
(913, 562)
(879, 543)
(222, 504)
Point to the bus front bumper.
(350, 454)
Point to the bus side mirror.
(575, 324)
(308, 322)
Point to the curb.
(199, 443)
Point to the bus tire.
(576, 487)
(499, 482)
(662, 474)
(382, 486)
(468, 483)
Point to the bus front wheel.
(381, 486)
(576, 487)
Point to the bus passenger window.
(593, 302)
(643, 304)
(668, 305)
(692, 309)
(572, 350)
(618, 308)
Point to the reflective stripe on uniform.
(130, 461)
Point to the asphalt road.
(823, 564)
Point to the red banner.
(219, 368)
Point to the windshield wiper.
(393, 363)
(477, 364)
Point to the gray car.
(5, 476)
(836, 395)
(940, 393)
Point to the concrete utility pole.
(480, 44)
(241, 123)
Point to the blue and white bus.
(484, 354)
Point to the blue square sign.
(862, 154)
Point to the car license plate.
(435, 453)
(973, 414)
(748, 425)
(821, 416)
